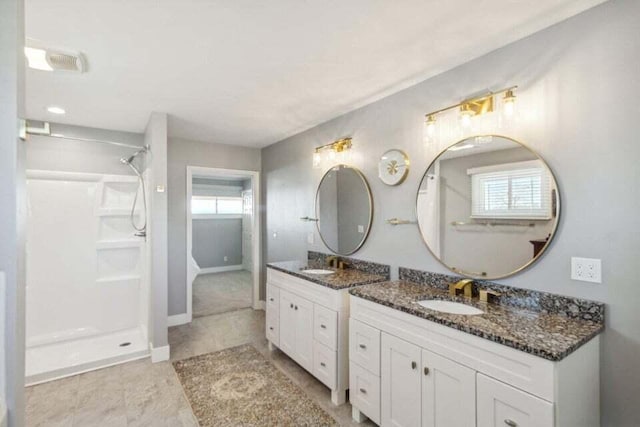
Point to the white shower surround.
(87, 285)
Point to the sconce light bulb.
(465, 115)
(332, 155)
(431, 126)
(509, 103)
(317, 159)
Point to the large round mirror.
(487, 207)
(344, 209)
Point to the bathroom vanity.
(308, 317)
(511, 366)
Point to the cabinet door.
(400, 379)
(303, 324)
(448, 392)
(287, 323)
(502, 405)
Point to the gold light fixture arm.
(479, 104)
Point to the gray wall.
(466, 247)
(193, 153)
(582, 77)
(12, 208)
(157, 232)
(48, 153)
(215, 238)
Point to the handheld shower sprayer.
(142, 230)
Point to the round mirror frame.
(369, 196)
(555, 203)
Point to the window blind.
(519, 190)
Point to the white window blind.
(209, 205)
(520, 190)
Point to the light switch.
(310, 238)
(159, 188)
(361, 229)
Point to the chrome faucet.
(464, 285)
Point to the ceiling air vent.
(41, 57)
(66, 61)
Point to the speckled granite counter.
(341, 279)
(552, 336)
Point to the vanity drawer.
(324, 364)
(364, 346)
(499, 404)
(325, 326)
(364, 391)
(273, 299)
(272, 323)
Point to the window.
(216, 206)
(519, 190)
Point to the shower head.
(126, 161)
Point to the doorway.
(223, 247)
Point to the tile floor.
(221, 292)
(140, 393)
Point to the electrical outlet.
(226, 259)
(310, 238)
(361, 229)
(586, 269)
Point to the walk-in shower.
(88, 291)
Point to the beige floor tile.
(141, 393)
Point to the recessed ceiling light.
(37, 59)
(56, 110)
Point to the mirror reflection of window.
(486, 207)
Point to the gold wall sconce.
(475, 107)
(334, 152)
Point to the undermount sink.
(450, 307)
(318, 271)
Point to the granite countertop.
(548, 335)
(341, 279)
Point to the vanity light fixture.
(469, 111)
(335, 151)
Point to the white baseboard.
(219, 269)
(260, 305)
(160, 354)
(178, 319)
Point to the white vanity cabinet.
(426, 374)
(309, 322)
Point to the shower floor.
(53, 361)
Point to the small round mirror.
(487, 207)
(344, 208)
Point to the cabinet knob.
(322, 364)
(510, 423)
(323, 326)
(296, 307)
(414, 365)
(426, 370)
(363, 391)
(362, 346)
(271, 328)
(270, 299)
(291, 305)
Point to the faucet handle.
(487, 295)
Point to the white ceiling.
(252, 72)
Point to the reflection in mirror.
(344, 209)
(487, 207)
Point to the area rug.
(240, 387)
